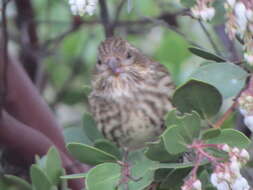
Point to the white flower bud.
(248, 121)
(249, 58)
(243, 111)
(240, 12)
(214, 179)
(235, 167)
(225, 148)
(197, 185)
(231, 2)
(220, 185)
(207, 14)
(240, 184)
(244, 154)
(235, 150)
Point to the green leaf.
(173, 52)
(140, 168)
(39, 179)
(232, 138)
(103, 176)
(206, 55)
(173, 181)
(189, 122)
(76, 134)
(174, 140)
(157, 152)
(89, 155)
(198, 96)
(108, 147)
(53, 166)
(20, 183)
(75, 176)
(229, 83)
(90, 128)
(172, 166)
(210, 133)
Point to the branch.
(27, 143)
(5, 58)
(29, 38)
(117, 15)
(105, 19)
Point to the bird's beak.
(114, 65)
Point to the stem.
(209, 38)
(219, 123)
(105, 18)
(5, 58)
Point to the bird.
(130, 94)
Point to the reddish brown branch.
(28, 37)
(27, 143)
(4, 55)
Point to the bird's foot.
(126, 175)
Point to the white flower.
(80, 7)
(244, 154)
(225, 148)
(248, 121)
(205, 13)
(240, 184)
(231, 2)
(249, 58)
(241, 18)
(197, 185)
(216, 181)
(235, 167)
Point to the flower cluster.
(203, 10)
(226, 175)
(245, 102)
(240, 21)
(80, 7)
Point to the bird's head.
(120, 68)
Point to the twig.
(105, 19)
(118, 11)
(5, 58)
(225, 116)
(210, 38)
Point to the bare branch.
(105, 19)
(5, 57)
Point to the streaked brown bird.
(130, 94)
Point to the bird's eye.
(129, 55)
(99, 62)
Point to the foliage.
(206, 78)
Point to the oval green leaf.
(89, 155)
(174, 141)
(53, 166)
(210, 133)
(104, 176)
(232, 138)
(90, 128)
(20, 183)
(198, 96)
(39, 179)
(229, 83)
(108, 147)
